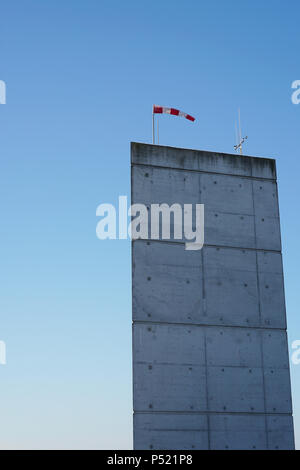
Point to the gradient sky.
(81, 78)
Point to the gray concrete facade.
(210, 353)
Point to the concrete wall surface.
(210, 353)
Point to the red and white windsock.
(173, 111)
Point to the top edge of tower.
(202, 160)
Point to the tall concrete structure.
(210, 354)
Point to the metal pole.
(153, 130)
(157, 131)
(236, 135)
(241, 145)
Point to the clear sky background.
(81, 77)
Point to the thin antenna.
(240, 140)
(237, 140)
(240, 129)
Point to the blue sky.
(81, 78)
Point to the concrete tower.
(210, 354)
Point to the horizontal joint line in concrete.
(242, 248)
(208, 364)
(233, 413)
(204, 171)
(177, 242)
(201, 325)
